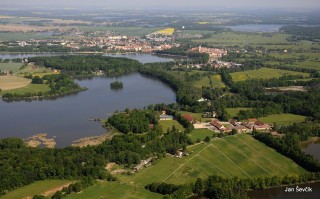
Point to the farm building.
(218, 125)
(166, 117)
(189, 118)
(143, 163)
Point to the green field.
(39, 187)
(10, 66)
(167, 124)
(239, 155)
(283, 119)
(35, 71)
(263, 73)
(233, 112)
(9, 36)
(225, 39)
(129, 31)
(216, 82)
(106, 190)
(30, 88)
(264, 40)
(200, 134)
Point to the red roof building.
(189, 118)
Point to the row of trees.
(220, 188)
(289, 146)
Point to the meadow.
(30, 88)
(10, 66)
(225, 39)
(239, 155)
(263, 73)
(214, 82)
(200, 134)
(35, 71)
(13, 82)
(233, 112)
(39, 187)
(129, 31)
(106, 190)
(284, 119)
(167, 124)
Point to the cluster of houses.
(240, 127)
(107, 40)
(213, 53)
(226, 127)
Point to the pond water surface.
(67, 117)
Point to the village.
(227, 127)
(230, 127)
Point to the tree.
(77, 187)
(39, 197)
(37, 80)
(207, 139)
(198, 186)
(234, 131)
(57, 195)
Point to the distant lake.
(255, 28)
(143, 58)
(67, 117)
(26, 55)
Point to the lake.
(312, 148)
(255, 28)
(26, 55)
(67, 117)
(143, 58)
(279, 192)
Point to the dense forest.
(80, 65)
(21, 165)
(134, 121)
(302, 33)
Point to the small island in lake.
(116, 85)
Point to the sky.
(163, 4)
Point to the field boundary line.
(262, 155)
(215, 166)
(249, 158)
(199, 169)
(185, 163)
(232, 161)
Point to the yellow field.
(167, 31)
(13, 82)
(202, 22)
(6, 17)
